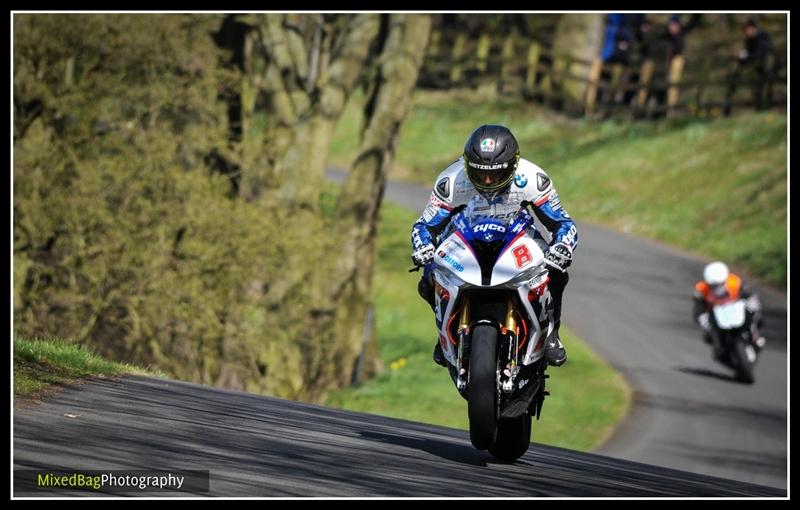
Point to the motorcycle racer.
(718, 285)
(492, 180)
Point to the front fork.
(512, 345)
(463, 347)
(508, 331)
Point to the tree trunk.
(361, 196)
(298, 105)
(578, 36)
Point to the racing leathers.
(555, 231)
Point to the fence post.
(506, 59)
(557, 74)
(458, 52)
(433, 45)
(645, 75)
(565, 89)
(594, 80)
(616, 78)
(675, 69)
(482, 53)
(701, 87)
(533, 63)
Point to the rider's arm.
(752, 302)
(547, 208)
(440, 209)
(698, 306)
(433, 221)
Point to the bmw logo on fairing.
(520, 180)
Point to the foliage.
(127, 236)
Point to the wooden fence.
(642, 89)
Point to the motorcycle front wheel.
(513, 438)
(482, 386)
(742, 362)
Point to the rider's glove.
(559, 256)
(702, 319)
(423, 256)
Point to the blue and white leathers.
(453, 189)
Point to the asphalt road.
(630, 299)
(261, 446)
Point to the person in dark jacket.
(758, 53)
(663, 43)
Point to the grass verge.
(587, 396)
(42, 364)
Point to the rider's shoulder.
(529, 172)
(449, 180)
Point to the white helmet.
(715, 273)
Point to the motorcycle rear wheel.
(482, 386)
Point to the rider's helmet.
(715, 275)
(491, 156)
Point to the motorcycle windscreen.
(457, 257)
(730, 315)
(520, 255)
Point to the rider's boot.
(426, 290)
(438, 355)
(554, 351)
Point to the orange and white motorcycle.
(731, 337)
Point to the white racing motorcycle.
(731, 338)
(494, 313)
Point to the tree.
(399, 63)
(232, 277)
(578, 36)
(299, 72)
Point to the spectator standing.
(758, 54)
(663, 44)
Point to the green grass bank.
(42, 363)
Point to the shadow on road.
(705, 372)
(445, 449)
